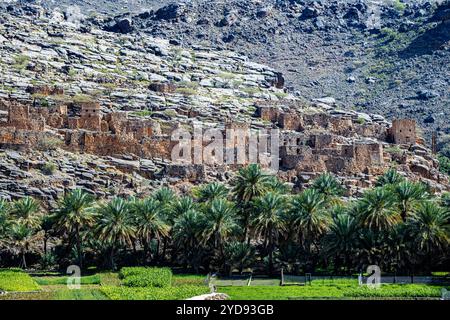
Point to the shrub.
(281, 95)
(48, 168)
(48, 260)
(146, 277)
(143, 113)
(15, 280)
(48, 143)
(444, 164)
(186, 91)
(394, 150)
(21, 61)
(399, 6)
(168, 293)
(82, 98)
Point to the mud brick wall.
(403, 131)
(267, 113)
(341, 126)
(291, 121)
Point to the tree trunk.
(45, 244)
(80, 255)
(158, 244)
(145, 253)
(164, 249)
(270, 255)
(111, 261)
(24, 261)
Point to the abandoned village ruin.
(96, 112)
(310, 142)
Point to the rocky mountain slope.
(47, 61)
(84, 105)
(117, 70)
(388, 57)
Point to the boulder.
(170, 12)
(426, 94)
(309, 13)
(121, 26)
(326, 100)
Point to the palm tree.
(179, 207)
(239, 255)
(377, 209)
(74, 214)
(268, 221)
(445, 200)
(342, 239)
(5, 222)
(250, 182)
(409, 195)
(187, 232)
(165, 196)
(220, 223)
(429, 229)
(26, 211)
(275, 185)
(211, 192)
(149, 221)
(47, 226)
(328, 185)
(21, 240)
(308, 215)
(114, 225)
(390, 177)
(176, 208)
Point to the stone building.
(403, 131)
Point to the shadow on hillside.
(433, 39)
(428, 42)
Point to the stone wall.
(268, 113)
(403, 131)
(291, 121)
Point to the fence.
(308, 279)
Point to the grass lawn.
(15, 280)
(188, 279)
(169, 293)
(100, 286)
(46, 281)
(108, 285)
(332, 289)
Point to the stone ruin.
(89, 131)
(403, 131)
(310, 142)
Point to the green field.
(341, 289)
(115, 286)
(100, 286)
(15, 280)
